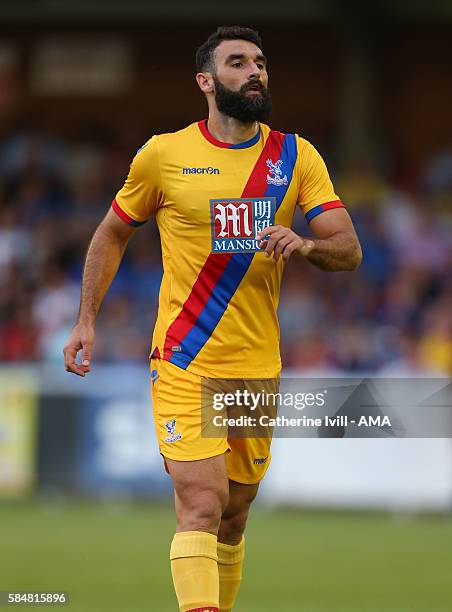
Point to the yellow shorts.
(182, 434)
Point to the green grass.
(114, 558)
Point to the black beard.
(242, 107)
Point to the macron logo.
(260, 460)
(208, 170)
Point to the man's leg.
(201, 496)
(231, 550)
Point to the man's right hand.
(81, 338)
(101, 264)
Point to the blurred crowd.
(393, 315)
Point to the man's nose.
(254, 75)
(254, 72)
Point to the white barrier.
(395, 474)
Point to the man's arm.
(335, 246)
(101, 264)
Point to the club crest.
(173, 435)
(274, 176)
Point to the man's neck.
(228, 129)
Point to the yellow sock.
(230, 562)
(195, 571)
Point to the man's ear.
(205, 82)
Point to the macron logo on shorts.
(260, 460)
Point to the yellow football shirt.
(219, 293)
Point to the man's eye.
(236, 64)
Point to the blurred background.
(82, 86)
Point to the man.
(224, 191)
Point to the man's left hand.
(281, 240)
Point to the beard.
(239, 105)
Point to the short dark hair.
(205, 53)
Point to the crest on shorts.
(173, 435)
(274, 176)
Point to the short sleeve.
(316, 194)
(142, 192)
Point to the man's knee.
(233, 526)
(200, 509)
(233, 521)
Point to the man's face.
(241, 81)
